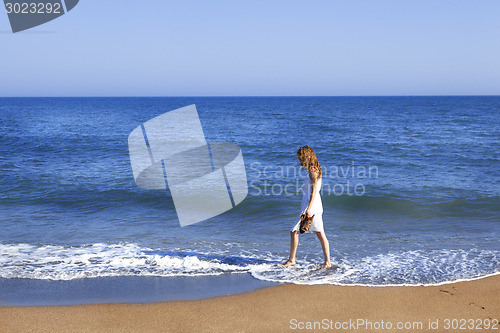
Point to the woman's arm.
(314, 184)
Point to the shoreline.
(278, 309)
(124, 289)
(149, 289)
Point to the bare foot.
(327, 265)
(288, 263)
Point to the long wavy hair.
(308, 160)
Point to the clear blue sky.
(257, 47)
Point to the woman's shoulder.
(314, 175)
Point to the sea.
(411, 190)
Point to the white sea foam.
(98, 260)
(394, 268)
(419, 267)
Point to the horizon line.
(240, 96)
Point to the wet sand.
(283, 308)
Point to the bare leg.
(326, 248)
(294, 242)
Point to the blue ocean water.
(411, 190)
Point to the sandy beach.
(463, 306)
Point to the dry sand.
(280, 309)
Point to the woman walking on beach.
(311, 205)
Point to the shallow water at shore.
(426, 170)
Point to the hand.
(308, 212)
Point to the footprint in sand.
(449, 292)
(477, 305)
(446, 292)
